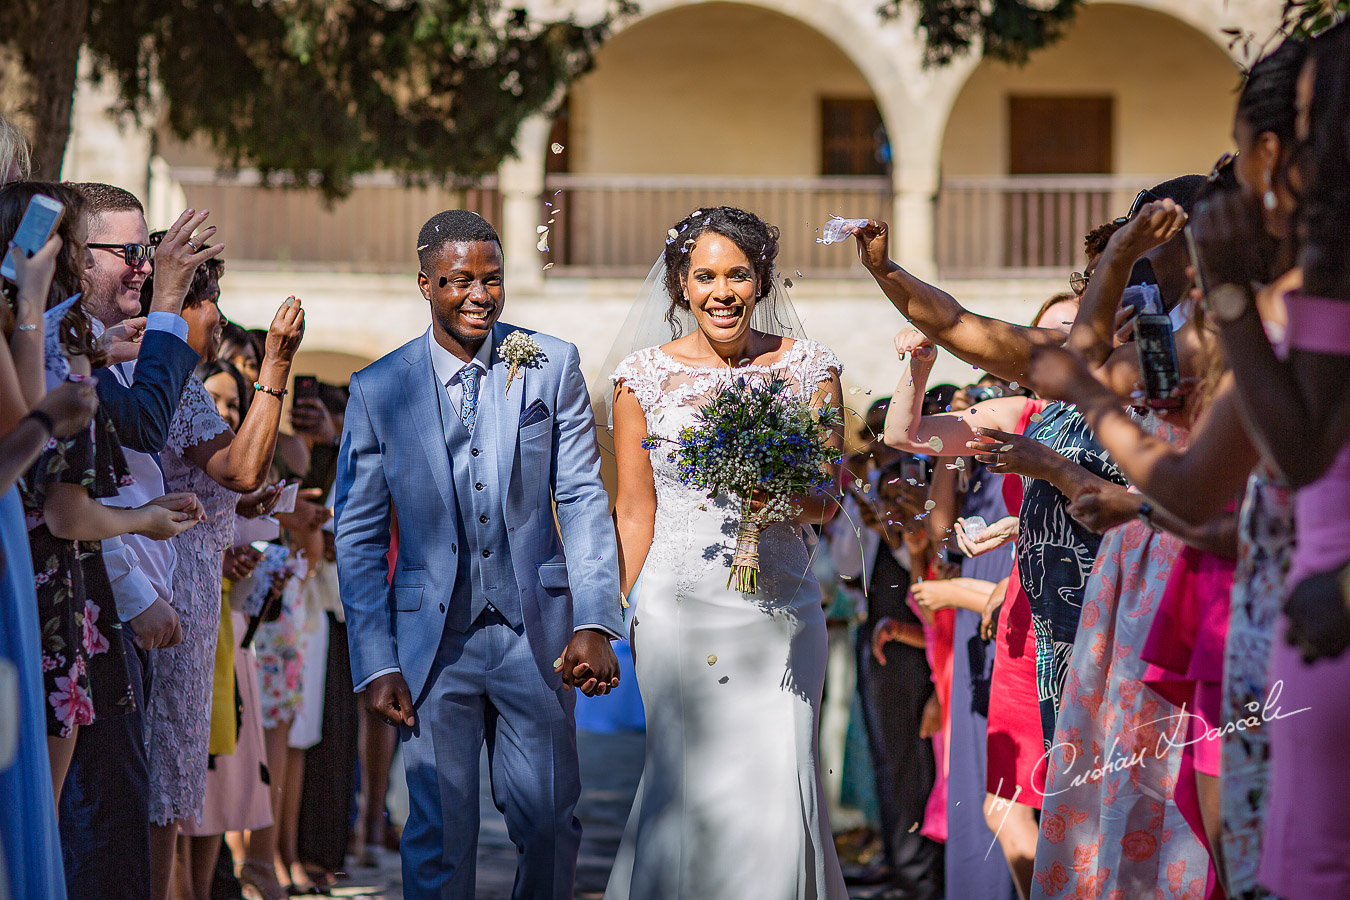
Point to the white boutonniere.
(522, 352)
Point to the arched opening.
(1034, 157)
(708, 104)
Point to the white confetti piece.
(936, 443)
(1014, 385)
(672, 234)
(1005, 448)
(541, 229)
(557, 663)
(855, 390)
(928, 504)
(1035, 417)
(543, 242)
(547, 266)
(556, 148)
(712, 659)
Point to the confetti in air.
(929, 504)
(543, 242)
(541, 229)
(556, 148)
(547, 266)
(936, 443)
(1014, 385)
(712, 659)
(1035, 417)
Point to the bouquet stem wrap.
(745, 563)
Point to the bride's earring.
(1269, 199)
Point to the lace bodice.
(694, 533)
(195, 422)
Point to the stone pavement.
(610, 767)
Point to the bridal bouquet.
(755, 440)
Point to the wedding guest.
(83, 658)
(105, 804)
(28, 833)
(207, 456)
(15, 155)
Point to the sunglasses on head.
(1224, 162)
(1144, 196)
(132, 254)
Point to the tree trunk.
(45, 49)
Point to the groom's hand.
(589, 663)
(388, 696)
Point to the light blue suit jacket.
(394, 453)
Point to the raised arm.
(998, 347)
(241, 461)
(909, 430)
(820, 507)
(1194, 484)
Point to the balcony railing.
(615, 225)
(1025, 225)
(374, 229)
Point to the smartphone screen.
(306, 387)
(39, 222)
(1157, 361)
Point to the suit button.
(483, 519)
(442, 607)
(478, 486)
(486, 554)
(474, 451)
(454, 549)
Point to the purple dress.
(1307, 841)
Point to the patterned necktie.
(468, 408)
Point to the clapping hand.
(993, 536)
(122, 341)
(177, 257)
(589, 663)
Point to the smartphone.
(1195, 260)
(306, 387)
(35, 229)
(1157, 360)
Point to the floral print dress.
(84, 669)
(1110, 827)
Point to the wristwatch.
(1146, 513)
(1229, 301)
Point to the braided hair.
(1324, 163)
(1267, 99)
(757, 239)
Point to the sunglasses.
(1144, 196)
(1078, 282)
(1224, 162)
(132, 254)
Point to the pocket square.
(536, 412)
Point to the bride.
(730, 804)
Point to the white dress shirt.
(140, 569)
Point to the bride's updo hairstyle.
(757, 239)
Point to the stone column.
(521, 184)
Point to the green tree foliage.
(318, 91)
(1011, 30)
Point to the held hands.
(71, 405)
(169, 516)
(177, 257)
(388, 696)
(589, 663)
(914, 343)
(122, 342)
(1015, 454)
(991, 538)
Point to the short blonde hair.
(14, 149)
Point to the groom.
(485, 625)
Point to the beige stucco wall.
(714, 89)
(1174, 90)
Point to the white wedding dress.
(731, 803)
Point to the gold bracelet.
(275, 392)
